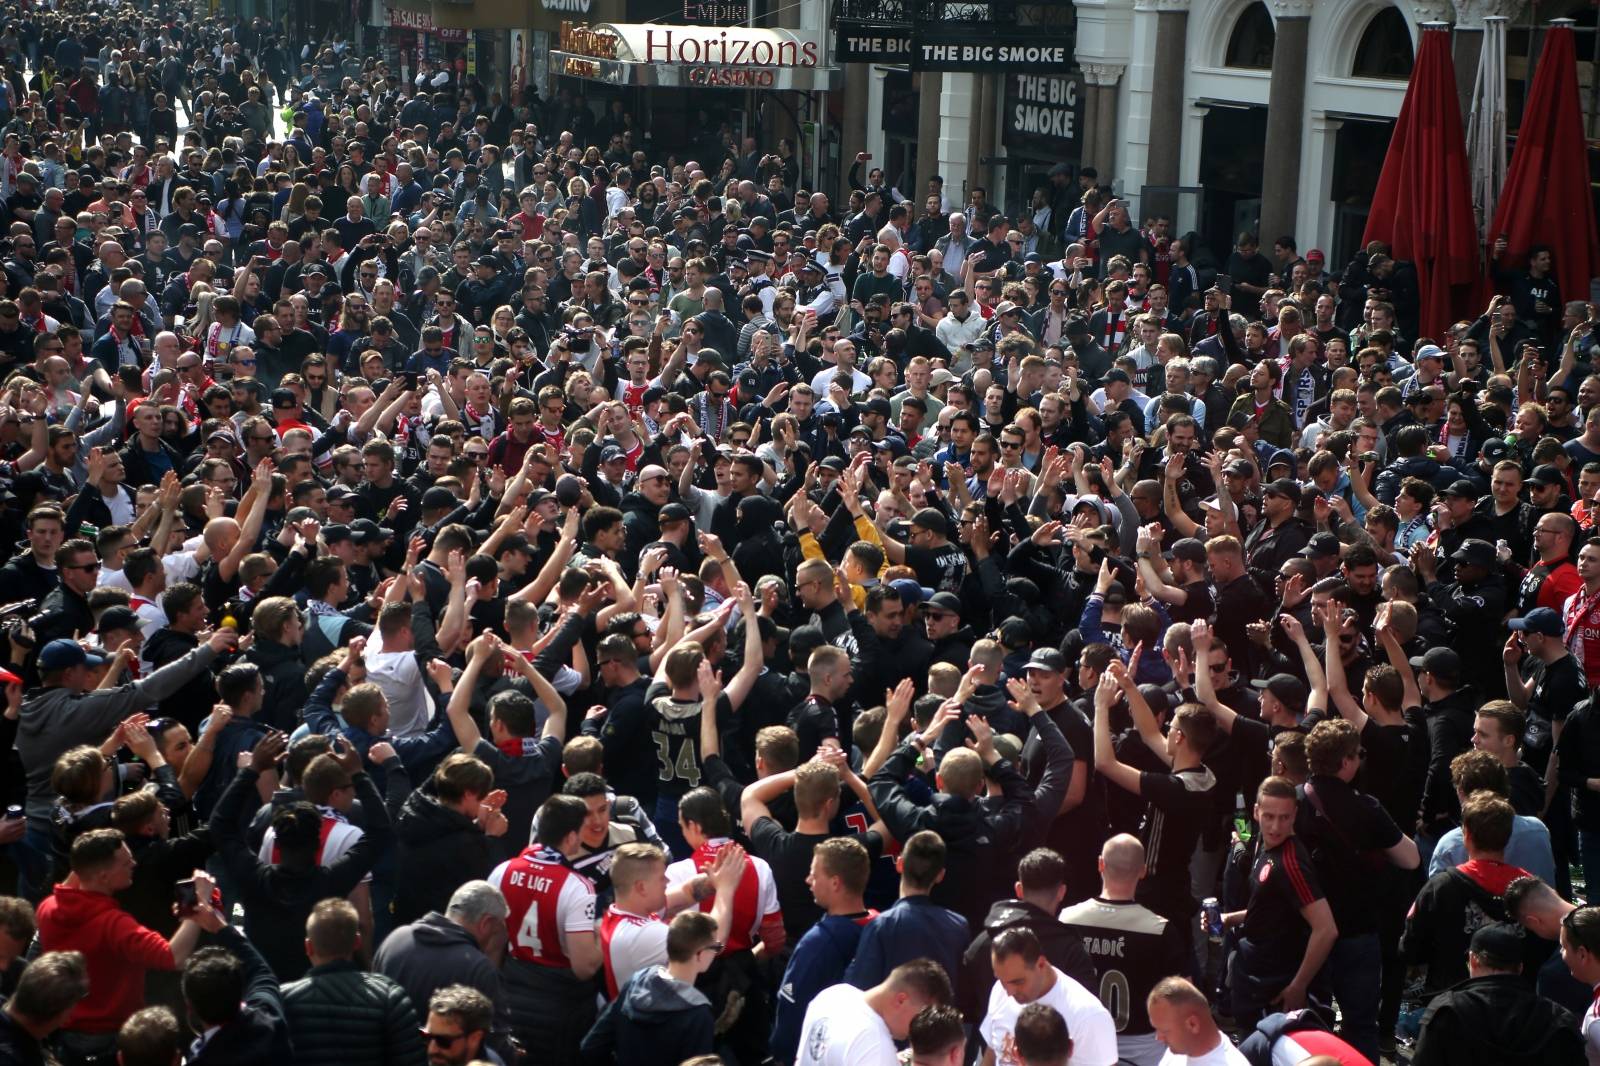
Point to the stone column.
(1280, 180)
(956, 101)
(1166, 97)
(1100, 116)
(853, 130)
(929, 92)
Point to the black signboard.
(959, 48)
(1044, 113)
(861, 41)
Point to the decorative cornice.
(1470, 13)
(1291, 9)
(1431, 11)
(1180, 7)
(1103, 73)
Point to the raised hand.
(897, 701)
(267, 751)
(948, 712)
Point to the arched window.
(1250, 44)
(1385, 50)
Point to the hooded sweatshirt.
(655, 1018)
(1496, 1020)
(119, 951)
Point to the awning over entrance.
(694, 57)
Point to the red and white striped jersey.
(548, 900)
(755, 900)
(629, 943)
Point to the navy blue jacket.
(914, 928)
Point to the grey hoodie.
(54, 719)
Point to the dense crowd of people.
(483, 592)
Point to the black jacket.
(278, 899)
(975, 836)
(1497, 1020)
(434, 952)
(259, 1035)
(439, 849)
(1062, 946)
(283, 675)
(191, 703)
(341, 1016)
(653, 1019)
(24, 579)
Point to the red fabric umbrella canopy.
(1422, 207)
(1546, 197)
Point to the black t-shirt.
(941, 569)
(813, 721)
(1283, 881)
(1346, 832)
(1177, 807)
(1388, 773)
(789, 855)
(1075, 835)
(675, 729)
(1527, 790)
(1198, 606)
(1557, 688)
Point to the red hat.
(1316, 255)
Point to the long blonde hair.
(203, 298)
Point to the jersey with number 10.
(547, 900)
(1132, 949)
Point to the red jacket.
(119, 951)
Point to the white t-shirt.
(1224, 1054)
(400, 678)
(1094, 1034)
(841, 1030)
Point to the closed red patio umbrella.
(1546, 199)
(1422, 207)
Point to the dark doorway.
(1231, 159)
(1359, 149)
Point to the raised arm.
(1106, 763)
(1316, 677)
(1202, 638)
(459, 710)
(1144, 719)
(550, 573)
(754, 660)
(1339, 694)
(250, 527)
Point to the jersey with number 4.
(1132, 948)
(547, 900)
(675, 731)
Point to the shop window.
(1385, 48)
(1250, 44)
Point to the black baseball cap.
(1289, 690)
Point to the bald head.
(1122, 859)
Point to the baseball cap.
(1008, 746)
(1321, 546)
(1077, 327)
(1238, 468)
(518, 542)
(832, 462)
(339, 493)
(1442, 663)
(1282, 457)
(1316, 256)
(1429, 351)
(1498, 944)
(911, 591)
(1475, 552)
(879, 406)
(1462, 488)
(1286, 487)
(61, 654)
(1006, 307)
(491, 261)
(612, 454)
(335, 533)
(1033, 257)
(366, 531)
(941, 376)
(1189, 549)
(118, 617)
(1289, 690)
(284, 398)
(438, 498)
(943, 602)
(1116, 373)
(1541, 620)
(1046, 659)
(674, 512)
(933, 520)
(1494, 449)
(1546, 475)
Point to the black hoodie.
(1062, 946)
(439, 849)
(759, 551)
